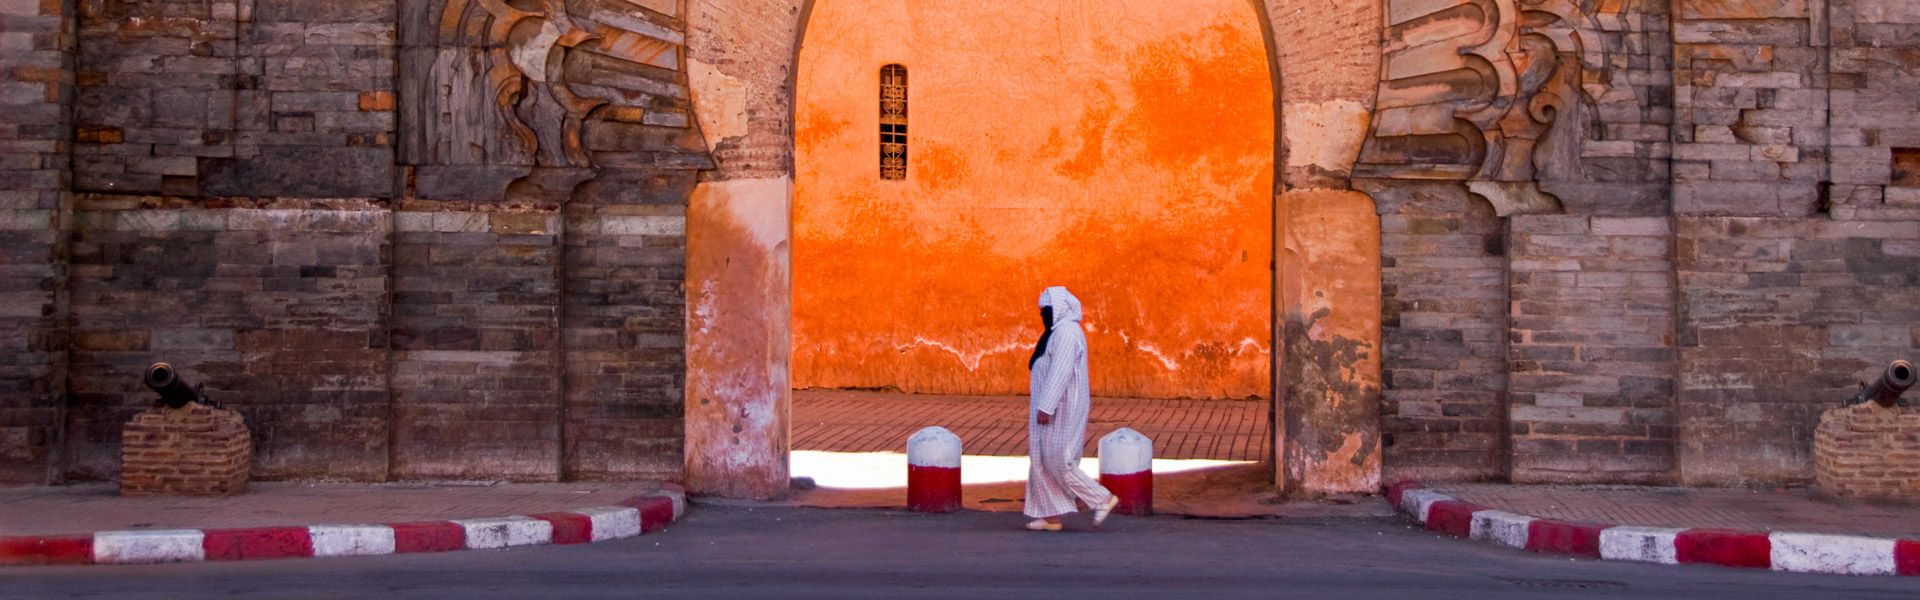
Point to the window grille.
(893, 122)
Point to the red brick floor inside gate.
(850, 421)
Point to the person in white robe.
(1057, 423)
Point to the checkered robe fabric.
(1059, 387)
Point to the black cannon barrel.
(1887, 389)
(174, 391)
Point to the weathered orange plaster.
(1124, 149)
(1330, 371)
(737, 293)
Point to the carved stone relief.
(541, 96)
(1481, 90)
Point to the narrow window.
(893, 122)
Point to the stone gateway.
(1582, 241)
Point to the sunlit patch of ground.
(1206, 488)
(882, 470)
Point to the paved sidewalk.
(1797, 510)
(846, 421)
(79, 509)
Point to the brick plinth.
(196, 450)
(1868, 452)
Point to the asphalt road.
(760, 552)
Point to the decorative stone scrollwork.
(500, 93)
(528, 51)
(1473, 88)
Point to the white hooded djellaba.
(1058, 384)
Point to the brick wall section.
(156, 81)
(1443, 278)
(1591, 355)
(194, 450)
(1875, 110)
(313, 107)
(476, 391)
(1787, 303)
(281, 313)
(1784, 318)
(226, 98)
(1868, 452)
(36, 93)
(624, 330)
(1750, 138)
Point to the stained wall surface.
(1122, 149)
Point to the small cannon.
(174, 392)
(1886, 391)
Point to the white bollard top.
(1125, 452)
(934, 447)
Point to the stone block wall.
(376, 308)
(194, 450)
(36, 136)
(280, 312)
(476, 345)
(273, 98)
(623, 330)
(1591, 357)
(1444, 296)
(1783, 319)
(1795, 249)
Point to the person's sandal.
(1100, 514)
(1043, 525)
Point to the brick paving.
(85, 508)
(846, 421)
(1797, 510)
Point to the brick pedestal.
(195, 450)
(1868, 452)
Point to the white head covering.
(1066, 308)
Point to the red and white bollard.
(1126, 469)
(933, 471)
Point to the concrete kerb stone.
(1639, 544)
(351, 540)
(1817, 553)
(506, 532)
(637, 515)
(1779, 551)
(147, 547)
(1501, 527)
(1419, 503)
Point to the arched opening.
(1123, 149)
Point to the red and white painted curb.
(633, 516)
(1777, 550)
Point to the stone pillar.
(1329, 409)
(738, 295)
(740, 60)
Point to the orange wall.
(1123, 148)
